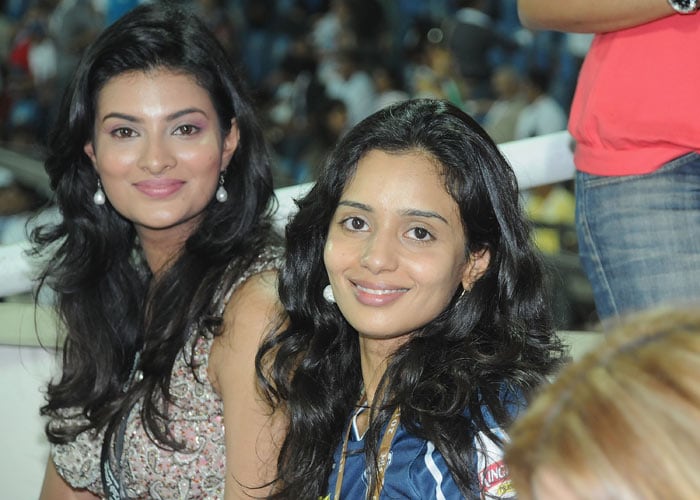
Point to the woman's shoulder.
(77, 461)
(512, 400)
(425, 473)
(249, 310)
(259, 275)
(248, 302)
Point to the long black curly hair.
(110, 305)
(497, 339)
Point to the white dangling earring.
(221, 193)
(99, 197)
(328, 294)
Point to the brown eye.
(186, 130)
(420, 233)
(354, 224)
(123, 132)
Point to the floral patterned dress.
(196, 419)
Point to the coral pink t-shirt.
(637, 103)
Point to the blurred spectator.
(73, 25)
(327, 29)
(22, 105)
(31, 72)
(367, 24)
(42, 57)
(17, 204)
(350, 82)
(263, 46)
(552, 208)
(402, 16)
(216, 16)
(43, 67)
(4, 104)
(327, 126)
(297, 95)
(367, 53)
(542, 114)
(438, 76)
(357, 24)
(472, 37)
(502, 114)
(389, 87)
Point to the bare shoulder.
(257, 295)
(252, 312)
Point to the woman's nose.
(380, 253)
(156, 157)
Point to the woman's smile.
(377, 294)
(159, 188)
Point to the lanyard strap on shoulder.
(382, 459)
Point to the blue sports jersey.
(417, 470)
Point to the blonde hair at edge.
(622, 423)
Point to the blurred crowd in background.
(317, 67)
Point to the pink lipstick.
(159, 188)
(375, 294)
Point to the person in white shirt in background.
(543, 114)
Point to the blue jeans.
(639, 236)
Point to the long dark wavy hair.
(110, 304)
(494, 341)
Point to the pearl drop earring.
(99, 197)
(221, 193)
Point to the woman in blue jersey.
(417, 315)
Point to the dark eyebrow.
(121, 116)
(424, 213)
(355, 204)
(405, 213)
(170, 117)
(183, 112)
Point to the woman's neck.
(160, 249)
(374, 358)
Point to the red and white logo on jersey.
(494, 481)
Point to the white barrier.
(541, 160)
(24, 372)
(25, 368)
(15, 269)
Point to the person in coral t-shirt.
(634, 119)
